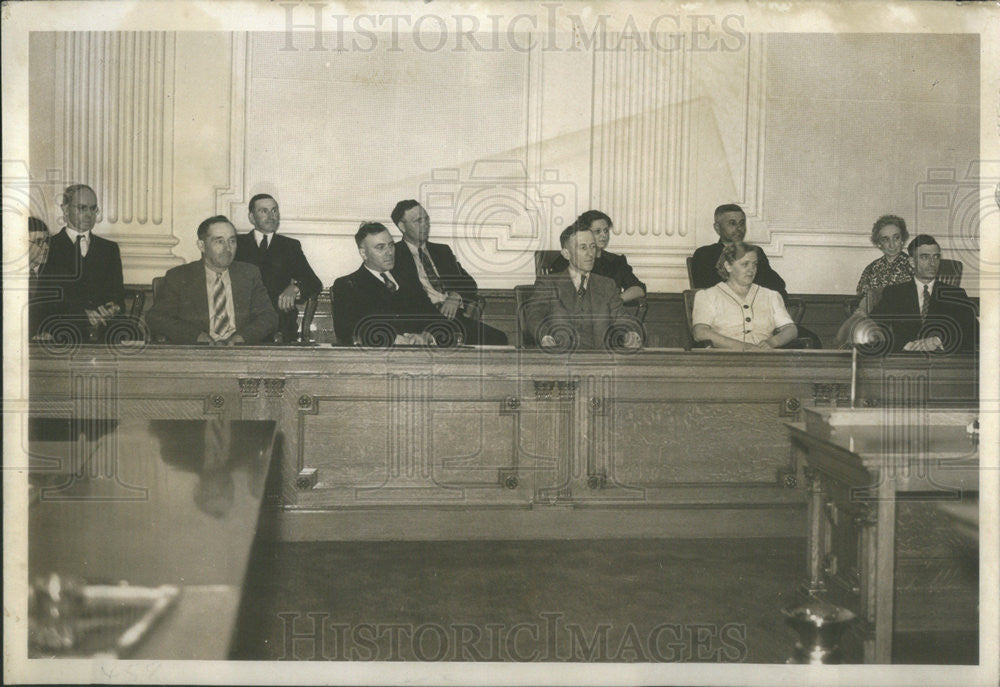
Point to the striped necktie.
(432, 275)
(220, 313)
(388, 283)
(583, 286)
(925, 303)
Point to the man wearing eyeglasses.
(86, 268)
(39, 298)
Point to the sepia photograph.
(564, 342)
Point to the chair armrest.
(474, 308)
(641, 308)
(308, 313)
(796, 309)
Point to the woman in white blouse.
(736, 313)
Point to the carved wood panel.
(696, 441)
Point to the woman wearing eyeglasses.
(889, 235)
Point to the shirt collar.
(73, 233)
(210, 273)
(929, 285)
(258, 236)
(576, 275)
(414, 249)
(378, 275)
(751, 292)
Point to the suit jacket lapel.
(199, 294)
(241, 295)
(62, 254)
(371, 286)
(914, 292)
(405, 263)
(567, 294)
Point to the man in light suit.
(283, 267)
(924, 314)
(214, 300)
(85, 268)
(433, 268)
(577, 308)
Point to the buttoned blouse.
(751, 320)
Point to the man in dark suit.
(85, 269)
(373, 306)
(576, 308)
(214, 300)
(434, 268)
(731, 226)
(924, 314)
(39, 298)
(287, 275)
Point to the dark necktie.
(925, 303)
(263, 246)
(388, 283)
(79, 247)
(432, 275)
(583, 287)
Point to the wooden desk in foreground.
(148, 503)
(499, 443)
(879, 542)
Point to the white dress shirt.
(84, 239)
(258, 236)
(436, 296)
(920, 292)
(576, 275)
(378, 275)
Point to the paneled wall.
(815, 135)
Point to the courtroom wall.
(815, 135)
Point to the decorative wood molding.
(523, 184)
(234, 192)
(115, 109)
(116, 113)
(752, 187)
(640, 145)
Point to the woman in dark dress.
(606, 263)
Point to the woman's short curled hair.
(731, 253)
(886, 220)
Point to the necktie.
(925, 303)
(432, 275)
(583, 287)
(220, 314)
(81, 245)
(388, 283)
(263, 246)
